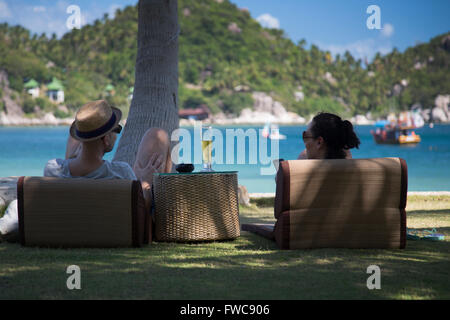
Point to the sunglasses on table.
(117, 129)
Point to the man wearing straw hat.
(92, 134)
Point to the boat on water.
(271, 131)
(397, 131)
(396, 135)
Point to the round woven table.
(201, 206)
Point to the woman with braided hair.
(329, 137)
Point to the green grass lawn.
(250, 267)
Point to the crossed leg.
(153, 155)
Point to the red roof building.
(200, 113)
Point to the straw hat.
(95, 120)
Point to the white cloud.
(112, 10)
(4, 10)
(62, 5)
(39, 9)
(52, 18)
(361, 49)
(39, 19)
(268, 21)
(388, 30)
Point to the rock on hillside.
(441, 112)
(266, 109)
(11, 107)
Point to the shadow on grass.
(429, 212)
(250, 267)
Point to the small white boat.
(272, 132)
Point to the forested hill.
(225, 55)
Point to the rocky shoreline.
(265, 110)
(249, 118)
(46, 120)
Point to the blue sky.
(335, 25)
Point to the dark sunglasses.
(305, 136)
(117, 129)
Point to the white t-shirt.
(59, 168)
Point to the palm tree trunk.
(155, 97)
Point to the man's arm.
(73, 148)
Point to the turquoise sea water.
(25, 151)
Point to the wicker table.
(199, 206)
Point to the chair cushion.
(327, 183)
(357, 203)
(339, 228)
(82, 213)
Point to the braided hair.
(337, 134)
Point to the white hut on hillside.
(55, 91)
(32, 87)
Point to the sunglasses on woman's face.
(307, 136)
(117, 129)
